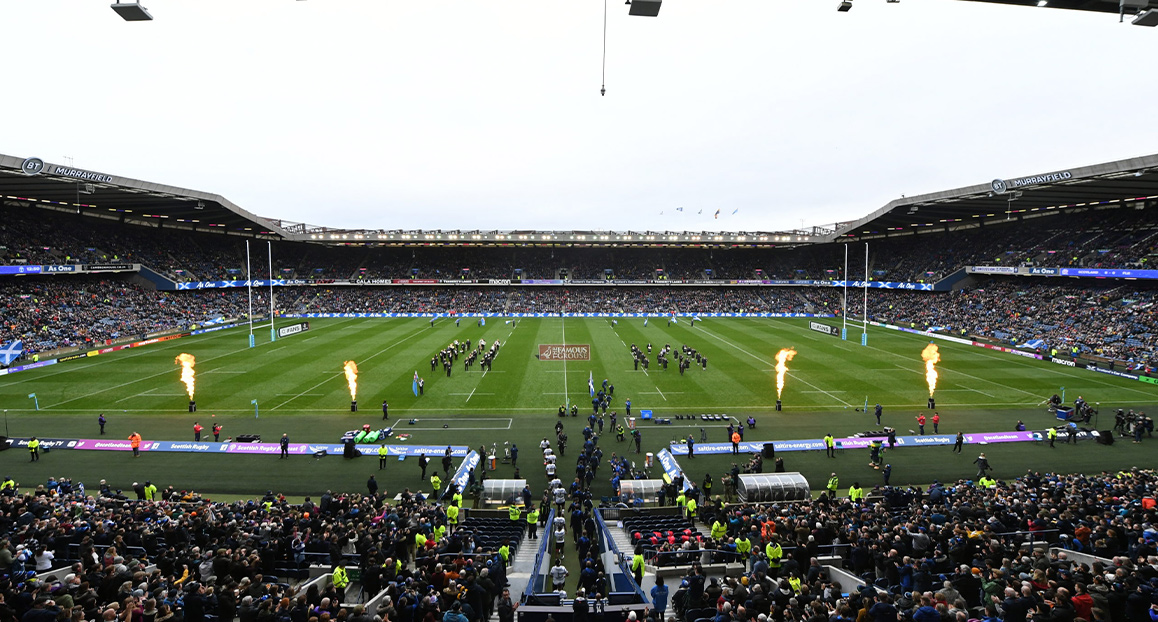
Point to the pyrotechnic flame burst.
(186, 362)
(932, 356)
(782, 357)
(351, 369)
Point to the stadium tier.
(1082, 546)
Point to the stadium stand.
(1118, 238)
(1043, 546)
(1108, 320)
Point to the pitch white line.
(221, 371)
(470, 396)
(418, 427)
(790, 374)
(549, 408)
(661, 394)
(302, 395)
(142, 394)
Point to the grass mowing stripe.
(372, 356)
(848, 346)
(563, 327)
(125, 384)
(791, 375)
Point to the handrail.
(620, 556)
(544, 546)
(729, 557)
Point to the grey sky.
(487, 113)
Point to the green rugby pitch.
(301, 390)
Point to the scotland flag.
(9, 352)
(591, 384)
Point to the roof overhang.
(46, 185)
(1123, 182)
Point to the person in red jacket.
(1082, 601)
(936, 421)
(197, 431)
(921, 423)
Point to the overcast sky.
(487, 114)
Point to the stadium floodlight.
(644, 8)
(132, 12)
(1146, 18)
(845, 6)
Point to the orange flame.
(932, 356)
(352, 378)
(782, 357)
(186, 362)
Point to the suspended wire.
(603, 88)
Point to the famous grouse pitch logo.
(561, 352)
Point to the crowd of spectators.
(952, 553)
(49, 313)
(1096, 318)
(652, 300)
(397, 299)
(955, 552)
(173, 559)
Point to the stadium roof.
(1124, 183)
(1129, 7)
(355, 237)
(32, 182)
(59, 187)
